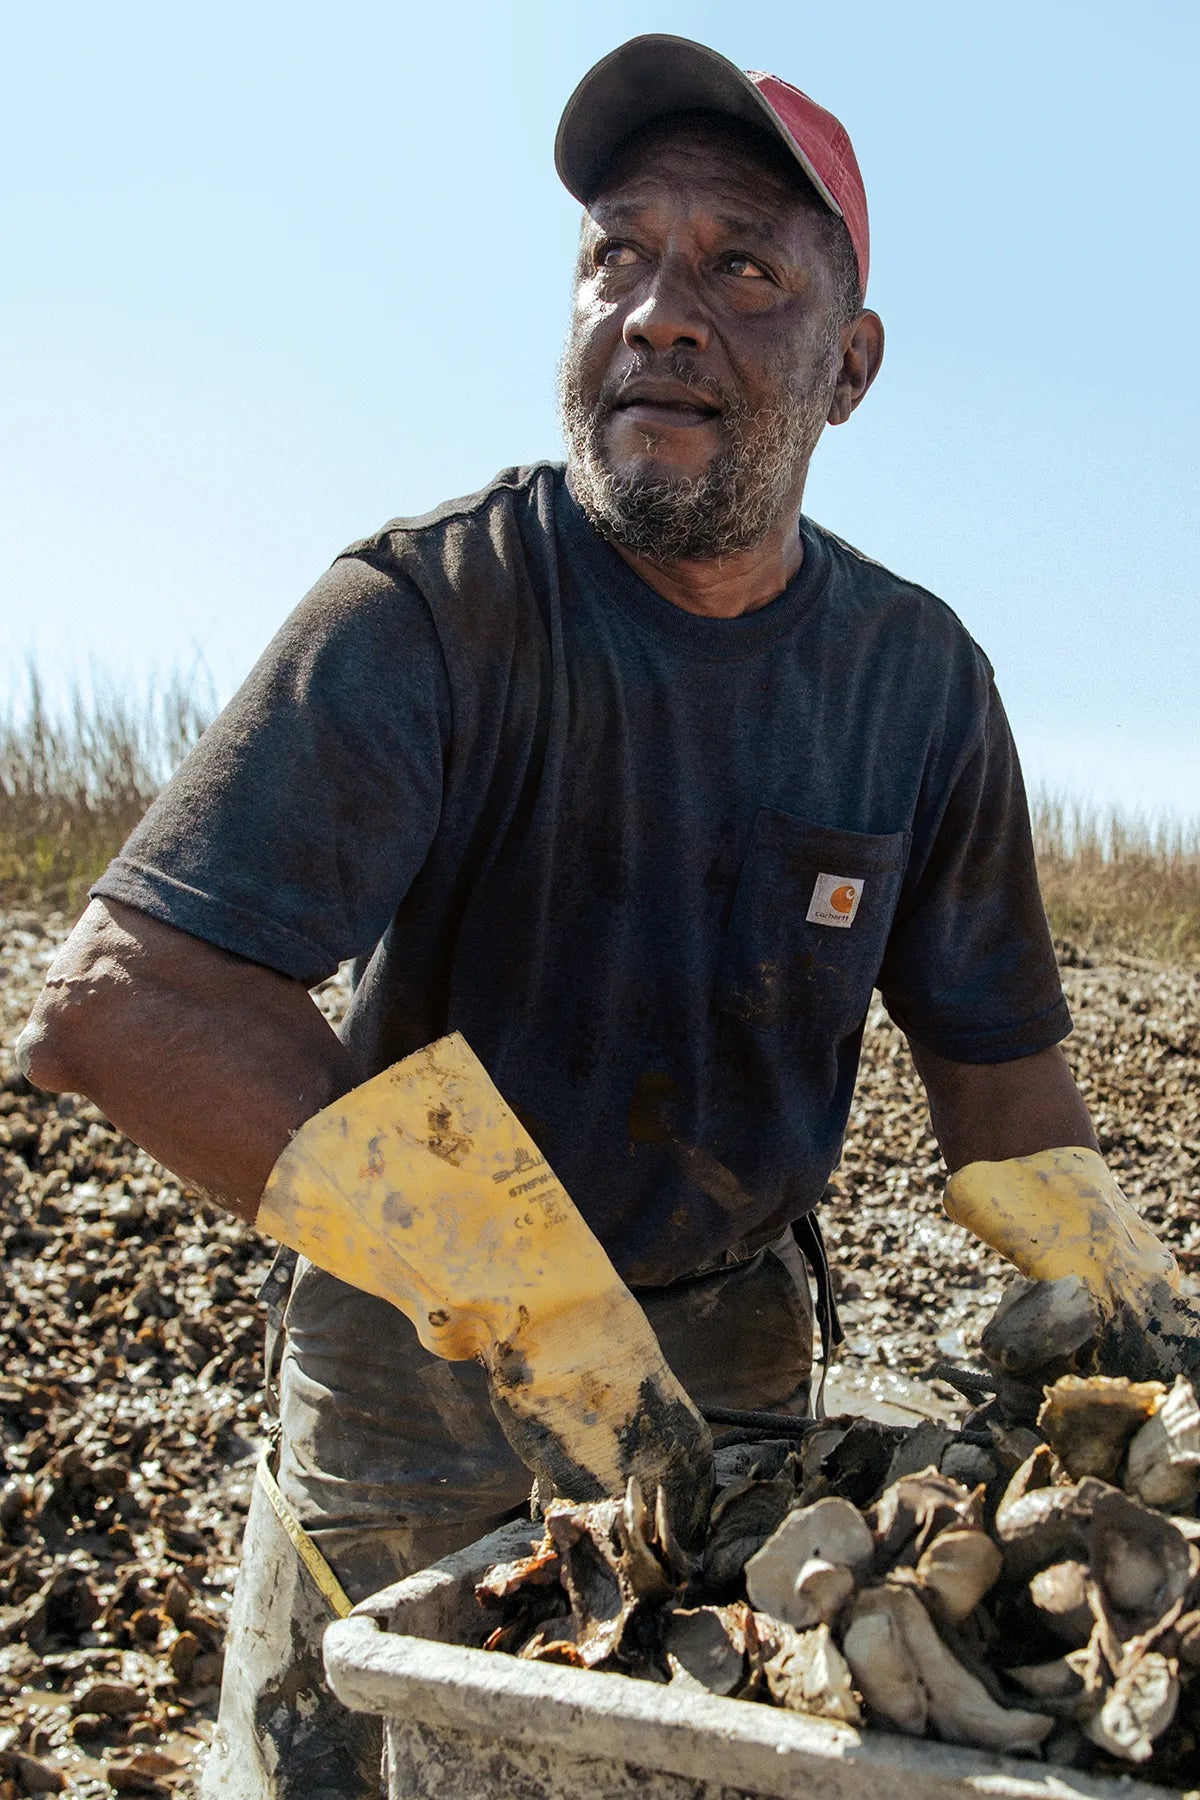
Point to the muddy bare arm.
(987, 1112)
(206, 1060)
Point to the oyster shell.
(957, 1570)
(821, 1591)
(1043, 1525)
(1042, 1326)
(1088, 1423)
(882, 1664)
(1164, 1457)
(705, 1647)
(1137, 1709)
(744, 1515)
(957, 1704)
(1141, 1563)
(831, 1533)
(809, 1674)
(1056, 1684)
(912, 1511)
(1061, 1594)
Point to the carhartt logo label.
(835, 900)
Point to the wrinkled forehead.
(713, 147)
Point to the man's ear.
(862, 353)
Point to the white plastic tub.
(463, 1723)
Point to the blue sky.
(279, 273)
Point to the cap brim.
(644, 79)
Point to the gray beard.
(731, 506)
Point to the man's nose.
(668, 315)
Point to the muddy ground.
(130, 1409)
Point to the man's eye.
(613, 256)
(743, 267)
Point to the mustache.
(675, 364)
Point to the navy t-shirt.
(651, 865)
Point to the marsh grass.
(75, 779)
(1119, 880)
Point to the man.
(642, 782)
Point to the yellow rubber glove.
(1061, 1219)
(422, 1187)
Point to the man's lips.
(664, 405)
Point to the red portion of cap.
(823, 145)
(655, 75)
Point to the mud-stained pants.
(390, 1458)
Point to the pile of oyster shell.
(1031, 1591)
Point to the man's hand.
(1100, 1292)
(421, 1186)
(208, 1061)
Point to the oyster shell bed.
(130, 1387)
(1033, 1591)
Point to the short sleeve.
(970, 970)
(294, 829)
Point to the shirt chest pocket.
(809, 925)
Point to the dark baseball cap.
(654, 75)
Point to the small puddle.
(888, 1396)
